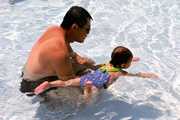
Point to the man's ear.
(74, 26)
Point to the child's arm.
(143, 75)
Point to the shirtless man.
(52, 57)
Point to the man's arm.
(89, 63)
(62, 65)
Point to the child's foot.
(41, 88)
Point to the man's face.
(82, 32)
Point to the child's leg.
(87, 91)
(90, 92)
(58, 83)
(61, 83)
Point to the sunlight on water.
(150, 28)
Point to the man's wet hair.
(75, 15)
(120, 55)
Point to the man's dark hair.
(77, 15)
(120, 55)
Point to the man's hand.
(85, 61)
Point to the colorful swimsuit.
(100, 77)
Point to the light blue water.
(150, 28)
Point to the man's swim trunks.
(27, 86)
(98, 78)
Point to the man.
(52, 57)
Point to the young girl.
(104, 76)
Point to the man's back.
(48, 44)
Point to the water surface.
(150, 28)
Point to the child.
(104, 76)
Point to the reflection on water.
(14, 1)
(150, 28)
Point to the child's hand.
(147, 75)
(41, 88)
(135, 59)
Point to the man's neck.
(68, 36)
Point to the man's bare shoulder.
(53, 31)
(53, 27)
(53, 50)
(54, 47)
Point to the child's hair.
(120, 55)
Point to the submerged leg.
(88, 91)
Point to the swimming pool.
(150, 28)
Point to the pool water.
(150, 28)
